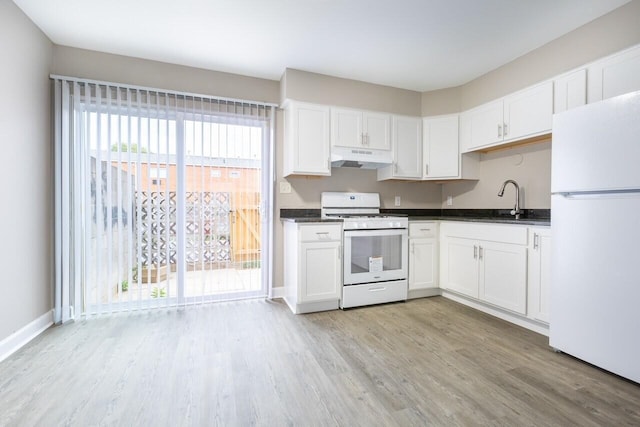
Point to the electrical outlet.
(285, 187)
(449, 201)
(397, 201)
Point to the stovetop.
(360, 216)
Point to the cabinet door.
(485, 124)
(503, 275)
(307, 140)
(377, 132)
(570, 91)
(460, 266)
(441, 152)
(407, 147)
(528, 112)
(346, 128)
(423, 269)
(320, 271)
(613, 76)
(539, 274)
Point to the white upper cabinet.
(307, 139)
(360, 129)
(441, 153)
(528, 113)
(406, 139)
(521, 115)
(570, 91)
(346, 128)
(615, 75)
(376, 128)
(485, 124)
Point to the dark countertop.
(494, 220)
(537, 217)
(305, 219)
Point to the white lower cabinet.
(312, 266)
(503, 275)
(423, 259)
(539, 274)
(460, 266)
(485, 262)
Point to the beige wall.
(26, 217)
(68, 61)
(328, 90)
(529, 165)
(613, 32)
(443, 101)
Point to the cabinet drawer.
(320, 232)
(423, 229)
(515, 234)
(373, 293)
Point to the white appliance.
(375, 257)
(595, 271)
(345, 157)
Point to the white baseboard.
(22, 336)
(532, 325)
(423, 293)
(277, 292)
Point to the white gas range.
(375, 249)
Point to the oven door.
(374, 256)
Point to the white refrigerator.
(595, 224)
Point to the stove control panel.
(375, 223)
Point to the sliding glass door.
(168, 198)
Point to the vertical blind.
(162, 198)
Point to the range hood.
(342, 157)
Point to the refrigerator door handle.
(611, 194)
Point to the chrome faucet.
(516, 208)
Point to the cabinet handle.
(395, 168)
(505, 129)
(322, 235)
(475, 252)
(499, 131)
(535, 241)
(339, 252)
(425, 229)
(366, 138)
(480, 252)
(426, 169)
(329, 163)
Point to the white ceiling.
(413, 44)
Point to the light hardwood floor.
(424, 362)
